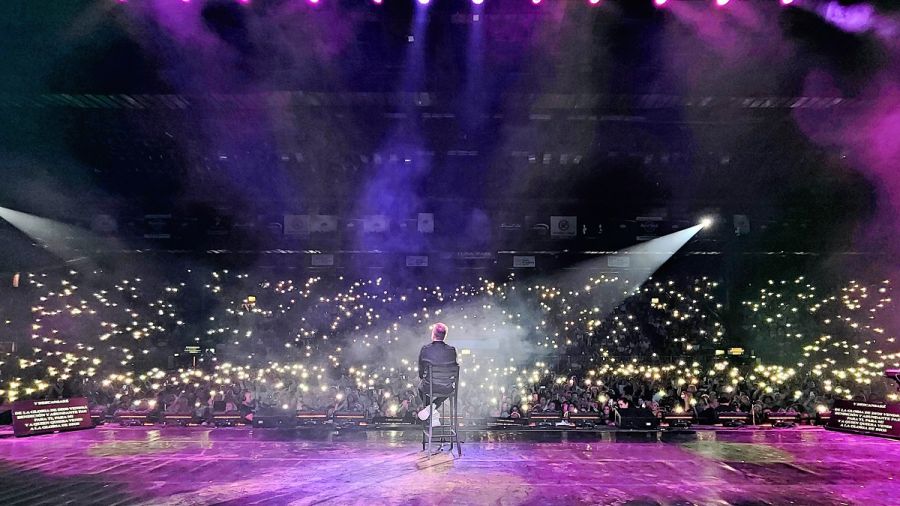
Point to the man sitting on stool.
(435, 353)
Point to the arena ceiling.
(219, 108)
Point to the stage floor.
(112, 465)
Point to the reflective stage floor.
(112, 465)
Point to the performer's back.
(435, 353)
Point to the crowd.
(221, 341)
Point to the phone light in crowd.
(706, 222)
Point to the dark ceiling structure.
(232, 113)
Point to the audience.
(223, 343)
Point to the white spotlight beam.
(652, 254)
(638, 263)
(648, 257)
(62, 240)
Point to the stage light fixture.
(706, 221)
(721, 3)
(377, 2)
(314, 2)
(659, 3)
(423, 2)
(477, 2)
(787, 2)
(536, 2)
(593, 2)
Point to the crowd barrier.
(625, 418)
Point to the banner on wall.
(425, 223)
(322, 260)
(296, 224)
(417, 261)
(563, 226)
(375, 224)
(323, 223)
(618, 261)
(524, 261)
(157, 226)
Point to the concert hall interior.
(449, 252)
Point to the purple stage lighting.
(536, 2)
(721, 3)
(477, 2)
(424, 2)
(659, 3)
(593, 2)
(377, 2)
(787, 2)
(314, 2)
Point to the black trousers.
(437, 401)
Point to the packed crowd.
(221, 341)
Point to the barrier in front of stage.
(632, 419)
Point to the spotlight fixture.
(659, 3)
(593, 2)
(706, 221)
(536, 2)
(787, 2)
(423, 2)
(721, 3)
(477, 2)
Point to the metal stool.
(443, 375)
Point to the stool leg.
(430, 401)
(456, 426)
(430, 429)
(452, 423)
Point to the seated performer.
(435, 353)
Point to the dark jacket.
(435, 353)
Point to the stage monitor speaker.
(637, 418)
